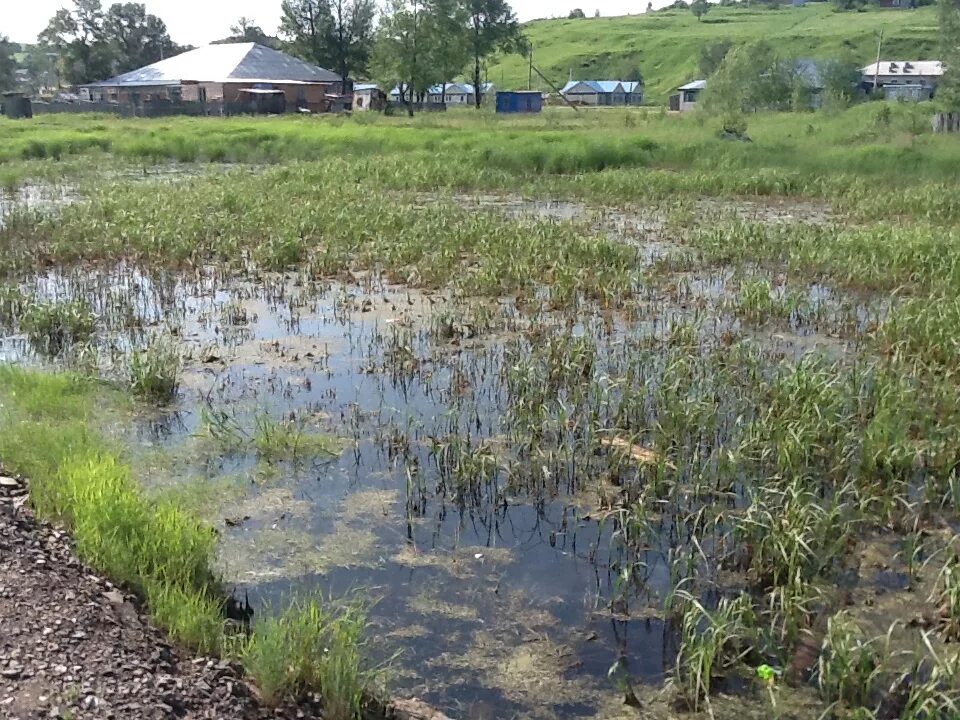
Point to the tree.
(447, 50)
(711, 55)
(78, 37)
(397, 51)
(246, 30)
(650, 7)
(93, 44)
(840, 78)
(337, 34)
(948, 93)
(576, 14)
(306, 26)
(751, 77)
(492, 26)
(699, 8)
(8, 64)
(136, 37)
(352, 36)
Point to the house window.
(202, 94)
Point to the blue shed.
(519, 101)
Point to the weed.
(54, 326)
(155, 371)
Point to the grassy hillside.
(666, 44)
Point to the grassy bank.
(666, 44)
(159, 549)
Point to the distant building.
(519, 101)
(603, 92)
(903, 79)
(454, 93)
(689, 95)
(367, 96)
(242, 74)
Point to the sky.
(196, 22)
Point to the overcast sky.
(195, 22)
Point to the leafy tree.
(840, 78)
(711, 55)
(336, 34)
(306, 26)
(948, 93)
(8, 64)
(576, 14)
(351, 38)
(398, 52)
(136, 37)
(447, 50)
(78, 37)
(751, 77)
(246, 30)
(93, 44)
(492, 26)
(699, 8)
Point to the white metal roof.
(906, 68)
(694, 85)
(227, 62)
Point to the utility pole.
(530, 71)
(876, 68)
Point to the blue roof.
(604, 86)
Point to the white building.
(690, 94)
(903, 79)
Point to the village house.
(903, 79)
(689, 95)
(603, 92)
(233, 75)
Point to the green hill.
(666, 44)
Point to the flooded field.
(548, 499)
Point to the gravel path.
(74, 646)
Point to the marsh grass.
(154, 371)
(311, 647)
(53, 326)
(271, 439)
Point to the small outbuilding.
(690, 94)
(367, 96)
(519, 101)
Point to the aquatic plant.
(154, 371)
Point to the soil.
(72, 645)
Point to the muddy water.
(502, 595)
(505, 594)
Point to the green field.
(666, 44)
(527, 383)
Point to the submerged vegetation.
(721, 376)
